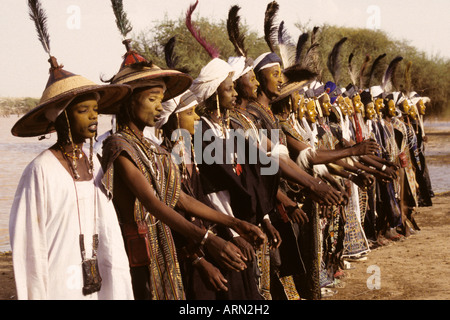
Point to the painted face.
(421, 106)
(379, 105)
(349, 104)
(274, 80)
(405, 107)
(146, 106)
(413, 112)
(83, 118)
(311, 113)
(341, 105)
(370, 111)
(227, 94)
(391, 107)
(357, 104)
(326, 105)
(187, 119)
(250, 85)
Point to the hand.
(324, 194)
(390, 172)
(272, 233)
(363, 180)
(212, 276)
(245, 247)
(297, 215)
(365, 147)
(249, 232)
(225, 253)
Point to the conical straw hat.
(62, 87)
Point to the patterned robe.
(162, 173)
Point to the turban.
(239, 66)
(210, 78)
(266, 60)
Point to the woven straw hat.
(62, 87)
(137, 72)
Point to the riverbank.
(416, 268)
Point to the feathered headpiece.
(333, 60)
(311, 60)
(122, 22)
(351, 70)
(270, 28)
(286, 46)
(301, 44)
(37, 14)
(363, 70)
(211, 50)
(389, 82)
(374, 67)
(171, 58)
(234, 32)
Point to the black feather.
(297, 73)
(234, 33)
(363, 70)
(375, 64)
(169, 54)
(351, 71)
(122, 22)
(388, 82)
(302, 39)
(39, 16)
(270, 28)
(333, 60)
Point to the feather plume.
(286, 46)
(122, 22)
(297, 73)
(373, 68)
(212, 51)
(169, 54)
(351, 71)
(171, 58)
(388, 82)
(333, 60)
(302, 39)
(311, 60)
(39, 16)
(363, 70)
(270, 29)
(234, 33)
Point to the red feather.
(212, 51)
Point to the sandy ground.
(416, 268)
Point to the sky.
(85, 39)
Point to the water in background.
(16, 153)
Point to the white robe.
(44, 235)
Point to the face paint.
(379, 105)
(311, 113)
(227, 94)
(357, 104)
(274, 80)
(413, 112)
(421, 106)
(405, 107)
(83, 118)
(326, 105)
(146, 106)
(370, 111)
(187, 119)
(349, 104)
(392, 110)
(250, 85)
(341, 105)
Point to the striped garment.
(157, 166)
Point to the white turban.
(239, 66)
(210, 78)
